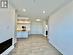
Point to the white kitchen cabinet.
(23, 34)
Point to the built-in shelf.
(22, 22)
(19, 31)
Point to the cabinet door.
(19, 35)
(24, 34)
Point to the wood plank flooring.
(34, 45)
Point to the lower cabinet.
(23, 34)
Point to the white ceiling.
(34, 8)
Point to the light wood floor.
(34, 45)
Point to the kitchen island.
(22, 34)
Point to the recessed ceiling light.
(38, 20)
(44, 12)
(46, 26)
(24, 10)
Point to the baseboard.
(56, 47)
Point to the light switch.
(4, 3)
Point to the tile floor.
(34, 45)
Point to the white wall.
(36, 27)
(61, 29)
(7, 25)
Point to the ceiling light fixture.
(44, 12)
(38, 20)
(24, 10)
